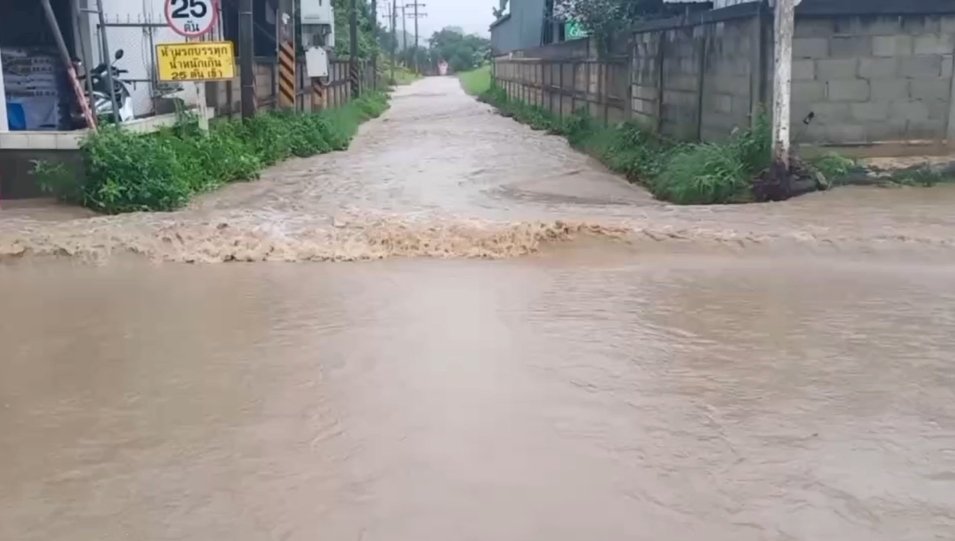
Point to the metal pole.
(246, 53)
(782, 88)
(107, 58)
(70, 68)
(353, 48)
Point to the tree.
(461, 52)
(366, 40)
(605, 17)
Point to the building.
(38, 102)
(526, 24)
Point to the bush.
(705, 173)
(833, 166)
(127, 172)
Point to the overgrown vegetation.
(833, 166)
(704, 173)
(920, 176)
(476, 82)
(127, 172)
(604, 18)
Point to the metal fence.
(137, 40)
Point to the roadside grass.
(681, 173)
(127, 172)
(920, 176)
(476, 82)
(403, 75)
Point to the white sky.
(474, 16)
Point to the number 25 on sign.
(192, 18)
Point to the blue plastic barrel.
(16, 118)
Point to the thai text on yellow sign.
(197, 61)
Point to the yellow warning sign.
(196, 61)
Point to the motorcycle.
(102, 99)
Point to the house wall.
(521, 29)
(144, 25)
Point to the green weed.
(832, 166)
(689, 174)
(127, 172)
(476, 82)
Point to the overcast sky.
(474, 16)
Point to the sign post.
(193, 19)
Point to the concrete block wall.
(645, 78)
(866, 79)
(727, 77)
(862, 73)
(706, 90)
(681, 81)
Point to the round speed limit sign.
(192, 18)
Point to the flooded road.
(770, 372)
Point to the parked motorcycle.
(102, 99)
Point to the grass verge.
(127, 172)
(686, 174)
(476, 82)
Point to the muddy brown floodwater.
(765, 372)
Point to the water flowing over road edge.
(441, 175)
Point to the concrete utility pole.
(417, 15)
(404, 30)
(782, 87)
(246, 61)
(353, 49)
(394, 37)
(374, 51)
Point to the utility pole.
(394, 37)
(374, 51)
(246, 63)
(404, 30)
(353, 49)
(782, 91)
(416, 15)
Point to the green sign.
(574, 30)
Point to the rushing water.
(767, 372)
